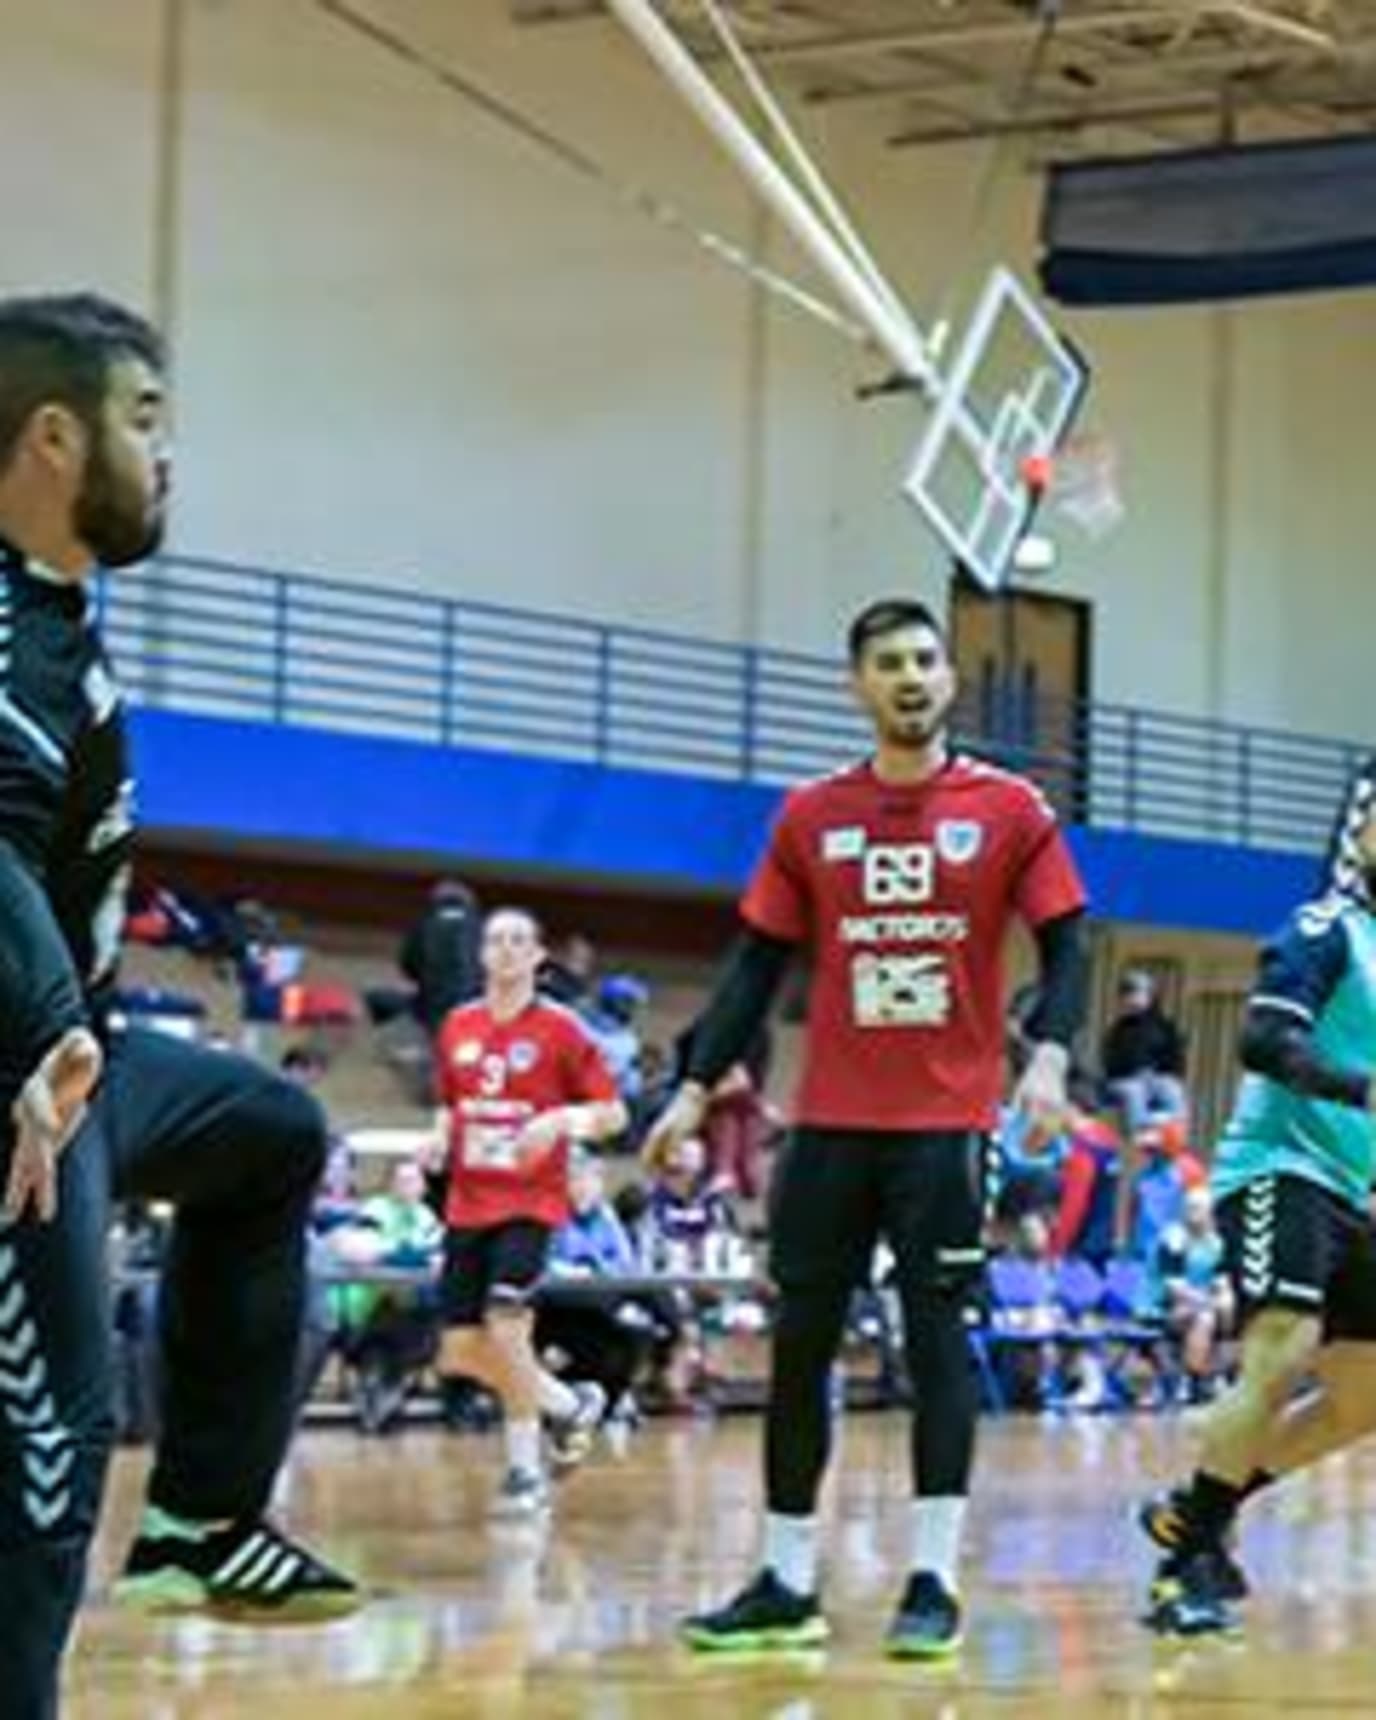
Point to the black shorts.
(1290, 1243)
(836, 1192)
(501, 1264)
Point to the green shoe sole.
(811, 1634)
(921, 1648)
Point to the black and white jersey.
(66, 814)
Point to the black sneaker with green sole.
(766, 1615)
(927, 1625)
(248, 1571)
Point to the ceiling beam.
(858, 44)
(1261, 15)
(1133, 113)
(1117, 74)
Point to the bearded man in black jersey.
(88, 1115)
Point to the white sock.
(523, 1446)
(556, 1399)
(790, 1551)
(162, 1525)
(937, 1526)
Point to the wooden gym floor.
(471, 1619)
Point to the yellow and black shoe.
(765, 1616)
(1186, 1599)
(1165, 1520)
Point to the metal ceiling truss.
(1179, 72)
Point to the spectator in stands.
(439, 954)
(672, 1355)
(687, 1218)
(1086, 1220)
(405, 1229)
(594, 1239)
(336, 1198)
(658, 1079)
(1194, 1292)
(1026, 1176)
(605, 1341)
(567, 974)
(1143, 1054)
(1168, 1170)
(613, 1020)
(687, 1229)
(335, 1208)
(390, 1331)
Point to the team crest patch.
(958, 840)
(468, 1053)
(847, 844)
(523, 1056)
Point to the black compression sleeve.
(748, 985)
(40, 997)
(1277, 1045)
(1064, 982)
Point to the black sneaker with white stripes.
(248, 1571)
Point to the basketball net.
(1080, 481)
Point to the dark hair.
(452, 893)
(888, 615)
(58, 350)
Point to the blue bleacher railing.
(204, 636)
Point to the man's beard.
(113, 518)
(916, 735)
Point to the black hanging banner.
(1212, 224)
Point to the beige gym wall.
(412, 350)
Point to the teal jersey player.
(1317, 984)
(1292, 1179)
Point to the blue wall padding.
(266, 783)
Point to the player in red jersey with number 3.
(901, 878)
(519, 1079)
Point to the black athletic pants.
(835, 1193)
(239, 1152)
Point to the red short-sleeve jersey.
(904, 895)
(494, 1077)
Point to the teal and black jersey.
(1320, 971)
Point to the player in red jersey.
(900, 877)
(519, 1079)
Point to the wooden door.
(1023, 661)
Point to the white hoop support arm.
(897, 334)
(813, 180)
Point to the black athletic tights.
(239, 1152)
(835, 1193)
